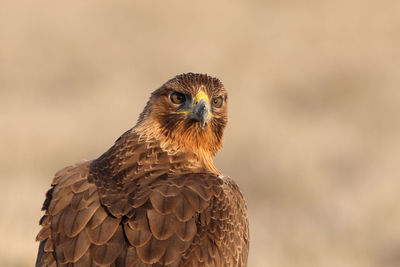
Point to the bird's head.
(189, 110)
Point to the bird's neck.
(195, 152)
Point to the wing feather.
(80, 186)
(74, 248)
(137, 229)
(109, 252)
(161, 226)
(180, 219)
(152, 251)
(182, 209)
(76, 221)
(98, 217)
(161, 203)
(57, 205)
(104, 231)
(187, 230)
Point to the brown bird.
(155, 197)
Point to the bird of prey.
(155, 197)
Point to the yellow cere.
(202, 95)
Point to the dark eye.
(177, 98)
(217, 101)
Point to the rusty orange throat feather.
(155, 198)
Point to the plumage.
(155, 197)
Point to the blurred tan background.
(313, 137)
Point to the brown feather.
(162, 204)
(200, 190)
(49, 260)
(57, 222)
(58, 205)
(43, 234)
(168, 190)
(84, 261)
(75, 221)
(77, 203)
(48, 247)
(187, 230)
(161, 226)
(60, 253)
(182, 209)
(75, 248)
(152, 251)
(174, 251)
(107, 253)
(103, 232)
(68, 180)
(80, 186)
(137, 237)
(129, 258)
(98, 217)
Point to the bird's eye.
(217, 101)
(177, 98)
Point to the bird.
(155, 198)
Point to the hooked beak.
(201, 109)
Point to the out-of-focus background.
(314, 104)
